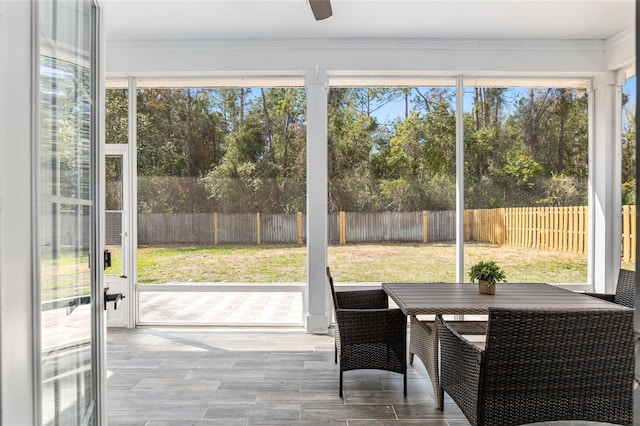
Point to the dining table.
(438, 299)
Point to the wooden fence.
(207, 228)
(629, 234)
(549, 228)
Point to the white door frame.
(121, 282)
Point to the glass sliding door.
(67, 212)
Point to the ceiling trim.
(355, 79)
(381, 79)
(200, 80)
(373, 44)
(222, 81)
(620, 51)
(623, 36)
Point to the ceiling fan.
(321, 9)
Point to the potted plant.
(488, 274)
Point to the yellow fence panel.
(547, 228)
(628, 234)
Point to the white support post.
(459, 180)
(317, 190)
(605, 180)
(132, 212)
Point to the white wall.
(16, 205)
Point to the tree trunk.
(427, 103)
(189, 143)
(476, 104)
(267, 125)
(559, 157)
(562, 112)
(242, 93)
(406, 103)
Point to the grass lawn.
(350, 263)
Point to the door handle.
(116, 298)
(75, 302)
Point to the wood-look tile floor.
(205, 377)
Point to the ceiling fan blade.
(321, 9)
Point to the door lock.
(107, 259)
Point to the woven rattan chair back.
(625, 290)
(544, 365)
(333, 290)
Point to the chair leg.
(405, 383)
(340, 393)
(411, 358)
(335, 353)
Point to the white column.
(19, 348)
(317, 190)
(132, 210)
(460, 180)
(605, 180)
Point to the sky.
(630, 89)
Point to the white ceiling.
(179, 20)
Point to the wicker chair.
(369, 335)
(625, 289)
(424, 342)
(543, 365)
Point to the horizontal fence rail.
(549, 228)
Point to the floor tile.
(244, 377)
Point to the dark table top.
(460, 299)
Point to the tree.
(244, 149)
(487, 106)
(117, 116)
(629, 160)
(351, 139)
(421, 162)
(179, 140)
(263, 169)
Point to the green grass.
(350, 263)
(65, 276)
